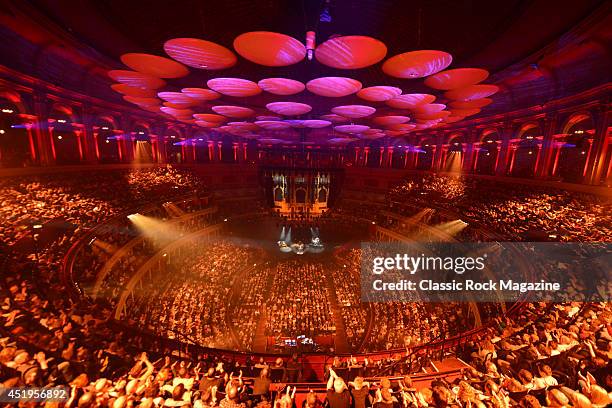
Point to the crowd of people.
(85, 199)
(299, 301)
(513, 209)
(189, 299)
(546, 354)
(553, 355)
(247, 309)
(355, 314)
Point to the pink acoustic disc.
(198, 53)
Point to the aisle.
(340, 341)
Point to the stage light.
(310, 44)
(583, 152)
(488, 154)
(37, 226)
(7, 110)
(92, 240)
(2, 131)
(107, 141)
(61, 121)
(104, 127)
(172, 137)
(225, 220)
(132, 216)
(530, 152)
(373, 222)
(141, 133)
(489, 141)
(325, 16)
(164, 255)
(59, 137)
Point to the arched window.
(486, 153)
(527, 153)
(574, 146)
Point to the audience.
(544, 355)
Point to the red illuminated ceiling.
(398, 112)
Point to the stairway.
(260, 341)
(341, 344)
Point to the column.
(513, 156)
(211, 151)
(538, 157)
(245, 147)
(548, 147)
(474, 165)
(89, 138)
(52, 142)
(443, 157)
(78, 133)
(467, 155)
(119, 142)
(41, 131)
(597, 166)
(96, 134)
(504, 151)
(588, 156)
(556, 162)
(28, 127)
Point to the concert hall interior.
(305, 203)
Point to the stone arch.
(576, 118)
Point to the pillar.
(504, 151)
(79, 133)
(389, 156)
(28, 127)
(42, 132)
(89, 139)
(235, 150)
(548, 147)
(597, 165)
